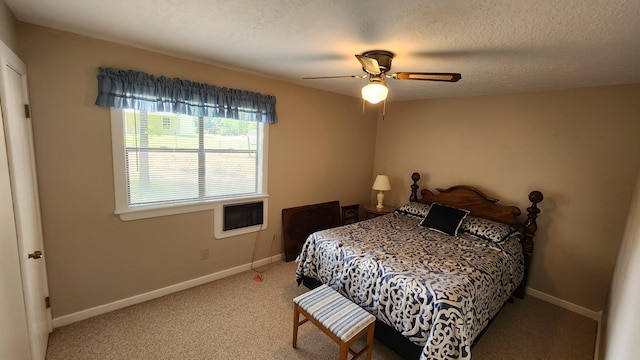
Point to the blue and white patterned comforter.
(439, 291)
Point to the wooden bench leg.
(344, 351)
(370, 333)
(296, 323)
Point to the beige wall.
(321, 150)
(579, 147)
(8, 32)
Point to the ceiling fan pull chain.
(384, 108)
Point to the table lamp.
(381, 184)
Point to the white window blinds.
(176, 159)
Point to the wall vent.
(242, 215)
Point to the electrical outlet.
(204, 254)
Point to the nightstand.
(371, 211)
(350, 214)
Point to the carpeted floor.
(238, 318)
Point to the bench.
(343, 321)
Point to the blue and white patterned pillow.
(487, 229)
(414, 209)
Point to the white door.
(14, 336)
(26, 207)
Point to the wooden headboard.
(480, 205)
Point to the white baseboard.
(119, 304)
(594, 315)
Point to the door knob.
(35, 255)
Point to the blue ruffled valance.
(129, 89)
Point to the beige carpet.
(238, 318)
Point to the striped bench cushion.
(335, 312)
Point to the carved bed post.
(414, 188)
(530, 228)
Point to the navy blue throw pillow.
(443, 218)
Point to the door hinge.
(47, 302)
(27, 111)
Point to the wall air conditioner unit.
(231, 219)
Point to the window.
(201, 163)
(166, 161)
(166, 123)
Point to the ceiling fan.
(376, 65)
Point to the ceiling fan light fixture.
(376, 65)
(375, 91)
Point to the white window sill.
(157, 211)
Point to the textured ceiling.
(499, 46)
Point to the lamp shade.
(381, 183)
(374, 92)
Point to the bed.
(434, 272)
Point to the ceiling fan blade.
(335, 77)
(369, 65)
(449, 77)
